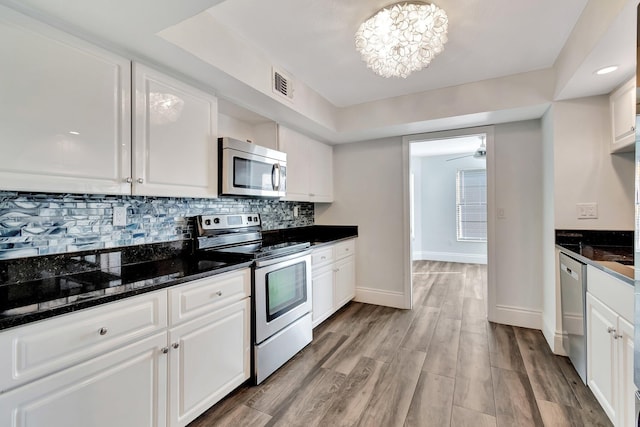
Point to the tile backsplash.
(41, 224)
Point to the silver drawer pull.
(103, 331)
(175, 345)
(164, 350)
(218, 293)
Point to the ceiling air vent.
(282, 84)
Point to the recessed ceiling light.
(607, 70)
(73, 132)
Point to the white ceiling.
(313, 40)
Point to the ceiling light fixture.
(402, 38)
(607, 70)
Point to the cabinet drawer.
(344, 249)
(322, 256)
(613, 292)
(33, 351)
(201, 296)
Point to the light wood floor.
(439, 364)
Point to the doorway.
(448, 200)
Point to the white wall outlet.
(296, 211)
(587, 210)
(120, 216)
(501, 214)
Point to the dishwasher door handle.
(571, 273)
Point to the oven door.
(247, 174)
(282, 293)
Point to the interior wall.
(435, 211)
(585, 171)
(368, 193)
(551, 318)
(518, 235)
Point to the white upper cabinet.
(298, 159)
(175, 144)
(309, 167)
(64, 111)
(622, 105)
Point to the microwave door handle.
(275, 176)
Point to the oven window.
(252, 174)
(286, 289)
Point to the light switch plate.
(587, 210)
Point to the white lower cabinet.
(322, 301)
(124, 365)
(124, 388)
(345, 281)
(209, 358)
(610, 346)
(333, 279)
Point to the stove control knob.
(207, 222)
(216, 220)
(255, 219)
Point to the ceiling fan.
(480, 153)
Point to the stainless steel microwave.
(247, 169)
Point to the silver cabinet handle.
(217, 293)
(633, 128)
(103, 331)
(616, 336)
(175, 345)
(164, 350)
(129, 180)
(611, 330)
(140, 180)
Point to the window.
(471, 205)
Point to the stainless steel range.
(281, 318)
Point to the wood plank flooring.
(440, 364)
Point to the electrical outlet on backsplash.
(34, 224)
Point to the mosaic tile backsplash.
(43, 224)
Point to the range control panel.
(221, 222)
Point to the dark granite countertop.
(609, 251)
(37, 288)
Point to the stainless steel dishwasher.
(573, 288)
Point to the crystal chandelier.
(402, 38)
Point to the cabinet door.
(322, 298)
(345, 281)
(209, 357)
(622, 104)
(602, 355)
(124, 388)
(321, 172)
(65, 122)
(175, 142)
(297, 148)
(625, 373)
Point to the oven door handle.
(268, 262)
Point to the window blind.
(471, 205)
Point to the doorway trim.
(491, 214)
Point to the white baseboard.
(380, 297)
(517, 316)
(451, 257)
(554, 339)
